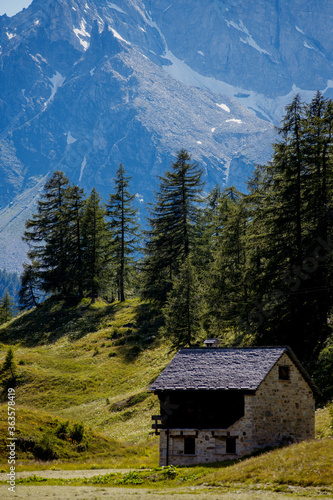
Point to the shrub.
(9, 363)
(130, 478)
(169, 472)
(46, 448)
(62, 430)
(77, 433)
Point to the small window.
(284, 373)
(230, 445)
(189, 445)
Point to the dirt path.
(43, 492)
(89, 493)
(64, 474)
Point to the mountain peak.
(88, 84)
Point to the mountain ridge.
(86, 85)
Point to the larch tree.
(172, 226)
(95, 247)
(7, 307)
(183, 308)
(46, 235)
(123, 227)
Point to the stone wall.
(210, 446)
(280, 412)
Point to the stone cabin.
(219, 403)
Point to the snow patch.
(142, 29)
(116, 35)
(92, 71)
(168, 8)
(82, 33)
(57, 80)
(249, 39)
(41, 58)
(299, 30)
(223, 106)
(10, 35)
(213, 129)
(70, 139)
(235, 120)
(115, 7)
(201, 53)
(83, 166)
(37, 22)
(199, 142)
(269, 108)
(25, 97)
(306, 45)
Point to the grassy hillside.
(91, 365)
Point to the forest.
(252, 268)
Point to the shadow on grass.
(142, 334)
(54, 319)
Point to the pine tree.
(95, 247)
(30, 291)
(46, 235)
(172, 226)
(9, 364)
(290, 225)
(226, 289)
(182, 311)
(124, 231)
(6, 308)
(75, 209)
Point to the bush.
(130, 478)
(9, 363)
(62, 430)
(77, 433)
(169, 472)
(46, 448)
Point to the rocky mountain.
(87, 84)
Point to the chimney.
(212, 343)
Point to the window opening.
(231, 445)
(189, 445)
(284, 373)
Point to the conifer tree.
(226, 290)
(183, 308)
(95, 247)
(172, 226)
(290, 219)
(30, 291)
(46, 235)
(123, 227)
(75, 209)
(6, 308)
(9, 364)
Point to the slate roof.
(221, 369)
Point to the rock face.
(87, 84)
